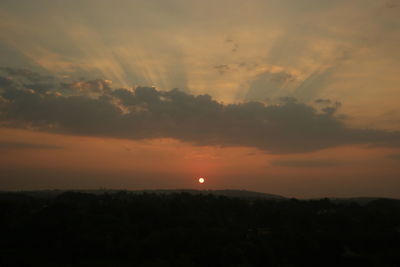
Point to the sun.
(201, 180)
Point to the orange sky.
(339, 59)
(87, 162)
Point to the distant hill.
(360, 200)
(226, 192)
(234, 193)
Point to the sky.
(291, 97)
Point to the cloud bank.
(22, 145)
(95, 108)
(306, 163)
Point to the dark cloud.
(394, 156)
(282, 77)
(5, 82)
(305, 163)
(287, 127)
(323, 101)
(39, 83)
(222, 68)
(235, 45)
(392, 3)
(235, 48)
(97, 86)
(25, 75)
(19, 145)
(288, 99)
(279, 77)
(26, 78)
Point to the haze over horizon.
(294, 98)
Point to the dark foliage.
(182, 229)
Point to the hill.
(226, 192)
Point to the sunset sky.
(292, 97)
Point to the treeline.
(125, 229)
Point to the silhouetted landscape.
(195, 228)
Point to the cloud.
(394, 156)
(145, 112)
(305, 163)
(392, 3)
(4, 145)
(222, 68)
(235, 45)
(323, 101)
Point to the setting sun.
(201, 180)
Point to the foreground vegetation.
(182, 229)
